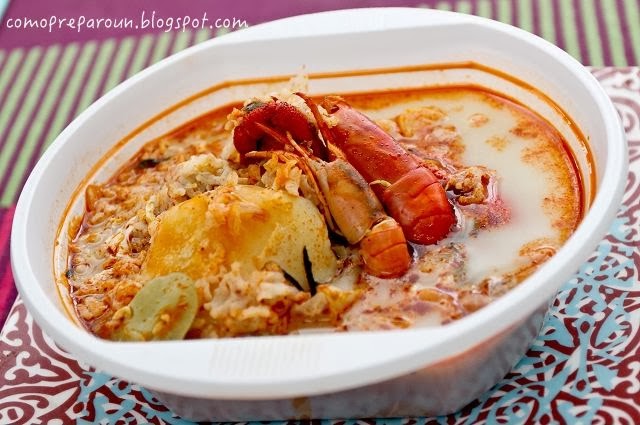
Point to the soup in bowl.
(369, 211)
(138, 222)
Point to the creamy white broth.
(522, 184)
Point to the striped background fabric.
(43, 88)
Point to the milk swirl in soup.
(226, 227)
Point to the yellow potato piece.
(250, 225)
(179, 242)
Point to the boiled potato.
(181, 242)
(250, 225)
(162, 310)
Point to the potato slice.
(250, 225)
(180, 243)
(162, 310)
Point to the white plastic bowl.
(413, 372)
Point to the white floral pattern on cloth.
(584, 367)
